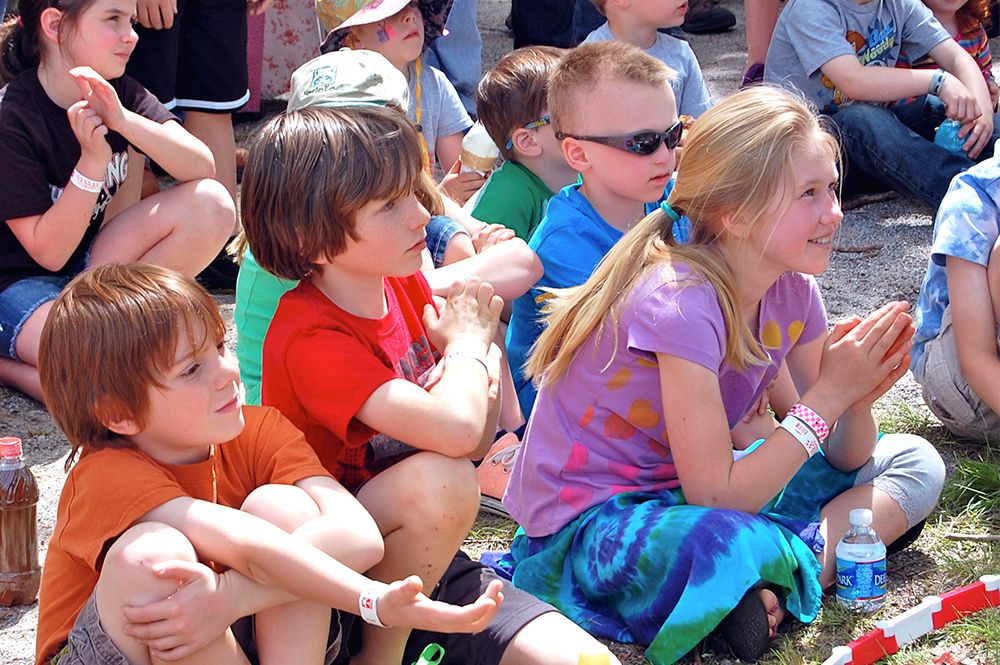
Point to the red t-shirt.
(321, 364)
(110, 489)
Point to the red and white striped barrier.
(933, 613)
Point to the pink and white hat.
(336, 16)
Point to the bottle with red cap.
(19, 571)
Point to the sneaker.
(494, 473)
(704, 17)
(745, 630)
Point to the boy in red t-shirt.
(186, 510)
(330, 197)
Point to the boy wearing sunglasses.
(637, 23)
(511, 103)
(614, 113)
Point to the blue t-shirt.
(688, 85)
(570, 242)
(811, 33)
(966, 227)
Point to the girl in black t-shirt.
(69, 123)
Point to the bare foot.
(775, 612)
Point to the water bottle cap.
(861, 517)
(10, 446)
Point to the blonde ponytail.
(736, 163)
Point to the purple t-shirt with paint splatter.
(599, 431)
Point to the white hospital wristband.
(368, 604)
(85, 183)
(802, 433)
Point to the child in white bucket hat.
(400, 30)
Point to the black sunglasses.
(640, 143)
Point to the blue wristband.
(937, 82)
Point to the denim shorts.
(440, 231)
(19, 301)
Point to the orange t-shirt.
(109, 489)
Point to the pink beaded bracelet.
(811, 418)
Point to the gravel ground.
(895, 236)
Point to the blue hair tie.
(670, 212)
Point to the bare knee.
(286, 506)
(211, 213)
(127, 571)
(552, 639)
(914, 477)
(442, 491)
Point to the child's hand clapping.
(100, 97)
(88, 119)
(468, 321)
(863, 358)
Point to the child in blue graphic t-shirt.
(836, 52)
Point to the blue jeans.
(459, 53)
(440, 231)
(894, 145)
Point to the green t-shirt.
(257, 296)
(513, 196)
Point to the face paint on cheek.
(385, 33)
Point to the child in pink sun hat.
(400, 30)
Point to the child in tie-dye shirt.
(637, 520)
(956, 352)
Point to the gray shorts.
(89, 644)
(910, 470)
(947, 393)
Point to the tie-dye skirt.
(647, 567)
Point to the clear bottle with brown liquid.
(19, 570)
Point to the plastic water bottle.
(19, 571)
(861, 565)
(947, 136)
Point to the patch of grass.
(975, 486)
(490, 533)
(982, 629)
(899, 416)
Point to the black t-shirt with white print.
(38, 152)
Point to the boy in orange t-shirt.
(187, 510)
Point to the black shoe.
(906, 539)
(745, 630)
(704, 18)
(220, 275)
